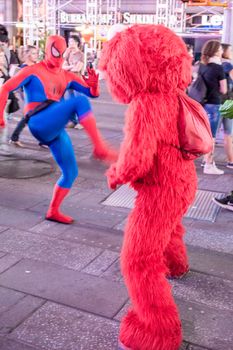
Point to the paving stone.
(12, 317)
(211, 262)
(49, 228)
(80, 290)
(2, 228)
(219, 241)
(122, 311)
(193, 347)
(103, 218)
(7, 261)
(216, 183)
(17, 241)
(2, 254)
(121, 226)
(101, 263)
(113, 273)
(72, 255)
(8, 298)
(206, 290)
(92, 236)
(64, 328)
(86, 215)
(30, 245)
(205, 326)
(25, 200)
(18, 218)
(8, 344)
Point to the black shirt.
(212, 73)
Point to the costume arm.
(88, 86)
(19, 80)
(138, 148)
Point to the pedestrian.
(30, 57)
(47, 113)
(227, 122)
(74, 62)
(214, 77)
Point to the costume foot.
(59, 217)
(121, 346)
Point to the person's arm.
(88, 86)
(19, 80)
(223, 86)
(231, 74)
(222, 80)
(77, 67)
(66, 64)
(137, 151)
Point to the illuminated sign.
(215, 20)
(127, 18)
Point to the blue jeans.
(214, 117)
(227, 125)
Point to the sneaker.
(16, 143)
(78, 126)
(229, 165)
(226, 202)
(211, 169)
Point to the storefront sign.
(212, 20)
(126, 18)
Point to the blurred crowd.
(216, 69)
(13, 59)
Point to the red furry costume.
(145, 66)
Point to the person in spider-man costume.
(47, 113)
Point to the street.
(61, 286)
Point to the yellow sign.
(220, 3)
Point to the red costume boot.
(101, 149)
(53, 213)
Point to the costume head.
(145, 58)
(54, 50)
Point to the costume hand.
(112, 178)
(93, 79)
(105, 153)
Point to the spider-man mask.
(54, 51)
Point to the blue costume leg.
(63, 153)
(47, 124)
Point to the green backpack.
(226, 109)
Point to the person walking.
(31, 57)
(214, 77)
(228, 123)
(74, 62)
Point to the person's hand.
(93, 79)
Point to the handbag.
(226, 109)
(195, 137)
(198, 89)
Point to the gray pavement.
(61, 286)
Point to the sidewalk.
(61, 286)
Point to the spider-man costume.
(48, 112)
